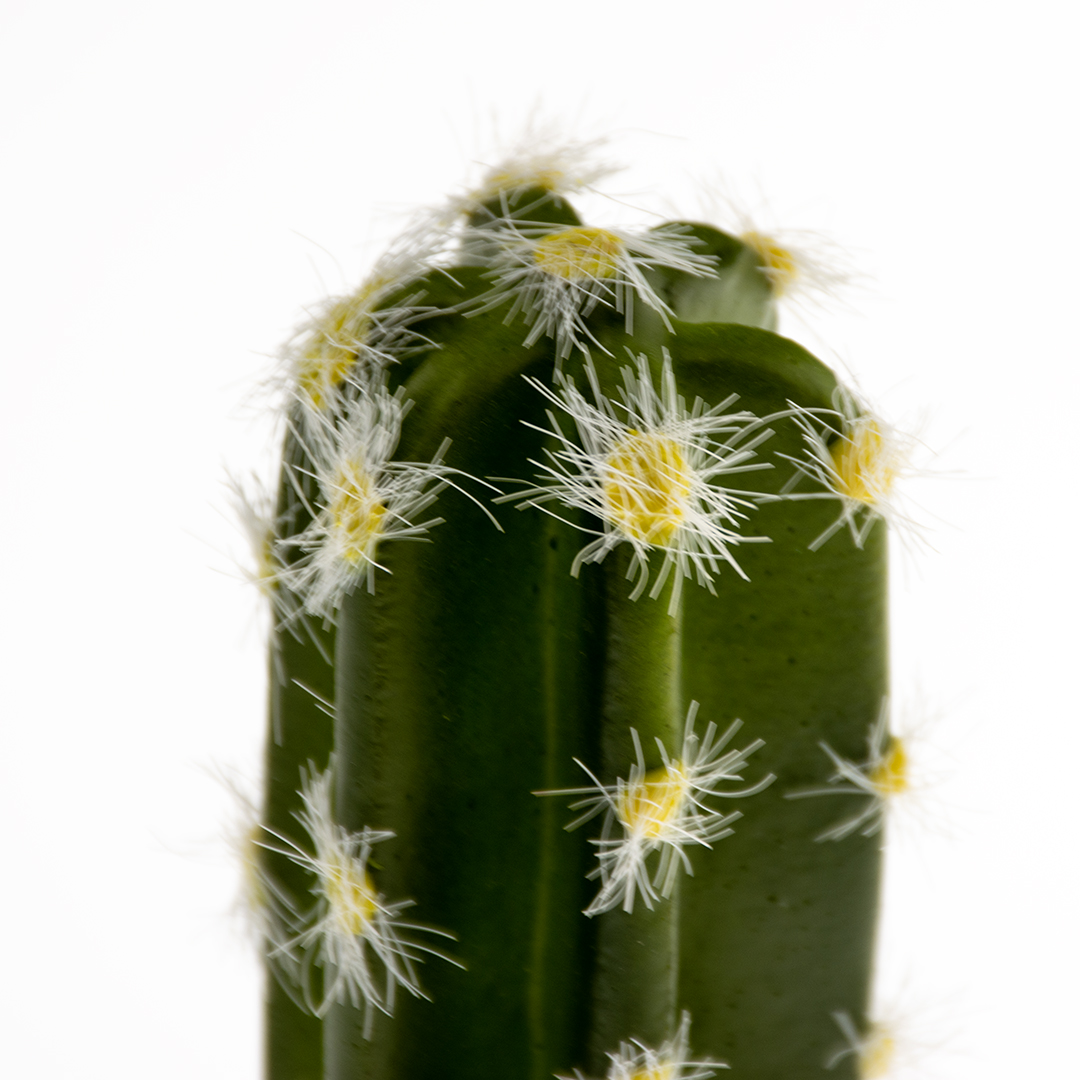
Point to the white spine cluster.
(254, 510)
(856, 458)
(636, 1061)
(884, 776)
(660, 810)
(541, 161)
(799, 266)
(647, 468)
(352, 337)
(556, 275)
(353, 932)
(262, 905)
(803, 267)
(365, 497)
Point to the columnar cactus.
(533, 778)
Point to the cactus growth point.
(569, 623)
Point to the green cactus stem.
(524, 860)
(641, 693)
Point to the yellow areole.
(647, 805)
(351, 895)
(647, 484)
(579, 254)
(890, 775)
(781, 265)
(864, 469)
(334, 346)
(356, 512)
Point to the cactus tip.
(557, 276)
(541, 160)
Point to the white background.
(181, 178)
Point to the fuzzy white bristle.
(366, 499)
(660, 810)
(356, 334)
(634, 1060)
(541, 160)
(555, 276)
(858, 459)
(354, 933)
(648, 467)
(883, 778)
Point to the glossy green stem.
(636, 977)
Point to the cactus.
(580, 593)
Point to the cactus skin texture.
(485, 661)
